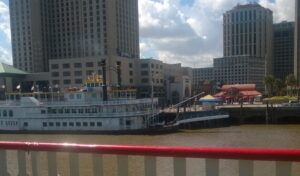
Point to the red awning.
(250, 93)
(240, 87)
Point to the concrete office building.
(171, 82)
(240, 70)
(203, 80)
(203, 74)
(26, 35)
(248, 32)
(62, 31)
(178, 82)
(297, 40)
(151, 73)
(283, 49)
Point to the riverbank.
(240, 115)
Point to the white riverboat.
(79, 112)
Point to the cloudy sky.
(186, 31)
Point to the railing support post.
(150, 166)
(283, 168)
(122, 165)
(22, 163)
(52, 167)
(179, 166)
(3, 163)
(98, 165)
(212, 167)
(74, 166)
(246, 168)
(34, 164)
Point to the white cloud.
(5, 55)
(282, 9)
(5, 20)
(192, 34)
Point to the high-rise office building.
(297, 40)
(248, 32)
(44, 30)
(26, 35)
(283, 49)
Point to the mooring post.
(267, 112)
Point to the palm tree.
(291, 83)
(279, 87)
(269, 83)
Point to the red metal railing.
(211, 154)
(162, 151)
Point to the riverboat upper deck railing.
(84, 103)
(30, 151)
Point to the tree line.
(278, 87)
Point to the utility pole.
(152, 96)
(103, 64)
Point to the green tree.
(279, 87)
(291, 83)
(269, 81)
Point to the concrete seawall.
(263, 115)
(246, 115)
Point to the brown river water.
(253, 136)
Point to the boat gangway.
(38, 159)
(194, 117)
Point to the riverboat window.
(53, 111)
(85, 124)
(67, 111)
(60, 111)
(71, 124)
(74, 111)
(100, 109)
(25, 124)
(78, 96)
(92, 124)
(99, 124)
(87, 110)
(44, 124)
(57, 124)
(80, 111)
(94, 110)
(51, 124)
(64, 124)
(4, 113)
(11, 113)
(71, 96)
(78, 124)
(128, 122)
(114, 110)
(43, 111)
